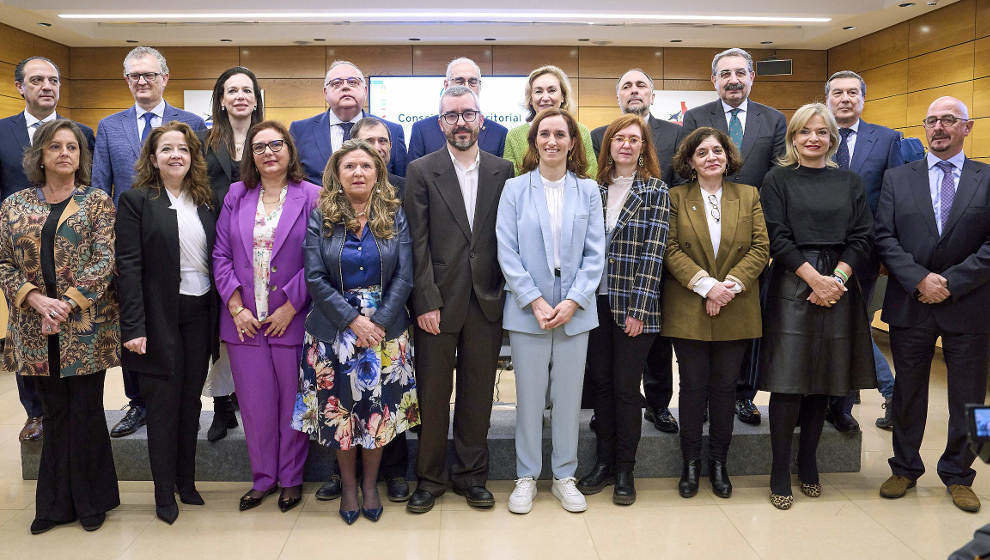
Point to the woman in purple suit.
(258, 266)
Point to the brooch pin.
(694, 208)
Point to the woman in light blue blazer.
(551, 246)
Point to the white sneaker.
(567, 493)
(521, 499)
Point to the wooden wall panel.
(789, 95)
(691, 85)
(981, 65)
(593, 117)
(432, 60)
(807, 65)
(98, 62)
(199, 62)
(7, 80)
(89, 117)
(951, 25)
(945, 66)
(393, 60)
(919, 101)
(889, 111)
(17, 45)
(885, 46)
(174, 93)
(613, 62)
(982, 18)
(885, 81)
(846, 56)
(597, 92)
(102, 94)
(285, 62)
(286, 115)
(688, 63)
(980, 139)
(512, 60)
(293, 92)
(10, 105)
(981, 98)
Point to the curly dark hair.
(34, 155)
(682, 159)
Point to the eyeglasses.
(633, 141)
(148, 76)
(946, 120)
(715, 212)
(339, 83)
(468, 116)
(259, 147)
(473, 82)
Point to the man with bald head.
(346, 91)
(933, 235)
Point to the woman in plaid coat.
(636, 207)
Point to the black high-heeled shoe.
(688, 485)
(719, 477)
(372, 514)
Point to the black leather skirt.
(812, 350)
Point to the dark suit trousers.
(616, 362)
(27, 392)
(76, 477)
(474, 352)
(132, 387)
(395, 458)
(658, 375)
(966, 365)
(173, 402)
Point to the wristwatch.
(237, 311)
(72, 303)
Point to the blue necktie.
(842, 154)
(347, 130)
(946, 193)
(147, 125)
(736, 128)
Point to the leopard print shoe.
(781, 502)
(811, 490)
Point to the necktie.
(842, 154)
(735, 128)
(946, 193)
(147, 125)
(32, 129)
(347, 130)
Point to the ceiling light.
(849, 28)
(319, 39)
(675, 40)
(414, 39)
(905, 4)
(766, 42)
(584, 39)
(226, 40)
(44, 24)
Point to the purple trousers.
(266, 378)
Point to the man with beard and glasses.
(451, 201)
(634, 91)
(758, 132)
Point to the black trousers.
(474, 352)
(966, 364)
(786, 412)
(395, 458)
(615, 362)
(173, 402)
(709, 371)
(658, 375)
(76, 477)
(27, 392)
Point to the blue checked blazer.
(634, 256)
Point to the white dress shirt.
(555, 206)
(194, 274)
(337, 132)
(616, 196)
(851, 140)
(702, 286)
(742, 113)
(156, 121)
(935, 175)
(467, 178)
(31, 120)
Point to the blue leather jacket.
(330, 312)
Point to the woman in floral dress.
(357, 387)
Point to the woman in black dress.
(816, 338)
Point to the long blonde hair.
(798, 121)
(335, 207)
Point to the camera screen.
(982, 418)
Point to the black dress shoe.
(39, 526)
(189, 495)
(398, 489)
(624, 493)
(223, 418)
(662, 419)
(248, 501)
(94, 522)
(719, 477)
(168, 513)
(747, 412)
(688, 485)
(421, 501)
(843, 421)
(286, 503)
(134, 419)
(330, 489)
(476, 496)
(596, 481)
(593, 424)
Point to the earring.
(641, 160)
(223, 108)
(42, 166)
(610, 162)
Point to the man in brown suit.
(451, 201)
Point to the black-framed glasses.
(339, 83)
(451, 117)
(715, 211)
(946, 120)
(473, 82)
(259, 147)
(148, 76)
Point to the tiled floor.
(850, 521)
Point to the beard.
(462, 145)
(642, 109)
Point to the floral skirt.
(350, 396)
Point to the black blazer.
(399, 183)
(451, 259)
(148, 267)
(763, 139)
(220, 168)
(13, 142)
(910, 247)
(667, 137)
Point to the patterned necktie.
(32, 129)
(842, 154)
(347, 130)
(735, 128)
(147, 125)
(946, 193)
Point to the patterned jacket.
(634, 264)
(84, 259)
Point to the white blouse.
(713, 208)
(194, 272)
(555, 205)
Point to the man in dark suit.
(427, 137)
(38, 81)
(118, 144)
(933, 235)
(634, 90)
(868, 150)
(758, 131)
(451, 201)
(374, 131)
(346, 90)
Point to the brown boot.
(964, 498)
(32, 429)
(896, 486)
